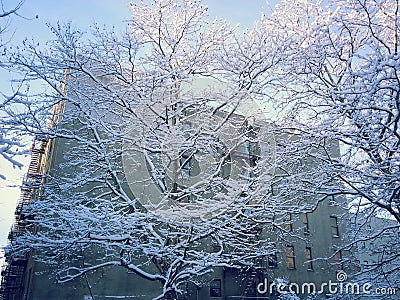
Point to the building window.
(288, 222)
(304, 217)
(290, 259)
(299, 162)
(272, 261)
(334, 227)
(215, 288)
(185, 164)
(309, 264)
(337, 258)
(244, 148)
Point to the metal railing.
(13, 272)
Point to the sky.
(31, 24)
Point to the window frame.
(309, 263)
(272, 261)
(185, 164)
(306, 223)
(290, 257)
(288, 225)
(216, 291)
(334, 226)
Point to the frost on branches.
(86, 218)
(340, 81)
(9, 141)
(330, 69)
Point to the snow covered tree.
(162, 157)
(10, 145)
(340, 81)
(4, 14)
(154, 154)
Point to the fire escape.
(13, 273)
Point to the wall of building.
(223, 283)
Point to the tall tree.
(340, 81)
(156, 144)
(168, 109)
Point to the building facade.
(303, 245)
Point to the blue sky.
(113, 12)
(84, 13)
